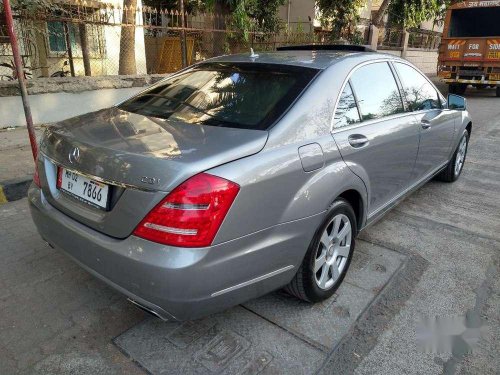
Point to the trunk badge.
(74, 155)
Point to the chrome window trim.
(333, 130)
(407, 63)
(391, 61)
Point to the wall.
(300, 11)
(47, 108)
(425, 60)
(56, 99)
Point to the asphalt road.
(435, 256)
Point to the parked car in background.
(469, 53)
(244, 174)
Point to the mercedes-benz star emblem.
(74, 155)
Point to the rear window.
(474, 22)
(247, 96)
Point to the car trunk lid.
(140, 157)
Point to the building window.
(57, 40)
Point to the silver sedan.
(243, 174)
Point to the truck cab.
(469, 53)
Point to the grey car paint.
(285, 191)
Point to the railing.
(424, 39)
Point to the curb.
(15, 189)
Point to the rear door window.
(235, 95)
(376, 91)
(419, 93)
(347, 110)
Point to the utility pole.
(183, 35)
(20, 77)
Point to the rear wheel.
(456, 164)
(498, 91)
(328, 257)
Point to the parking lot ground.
(435, 255)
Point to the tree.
(377, 20)
(126, 64)
(339, 15)
(413, 12)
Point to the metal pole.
(183, 36)
(20, 77)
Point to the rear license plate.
(495, 77)
(84, 189)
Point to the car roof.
(316, 59)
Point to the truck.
(469, 53)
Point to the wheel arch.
(355, 199)
(468, 127)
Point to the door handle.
(426, 124)
(358, 140)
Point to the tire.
(457, 88)
(306, 283)
(498, 91)
(452, 172)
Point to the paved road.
(436, 255)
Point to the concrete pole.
(406, 38)
(373, 40)
(20, 77)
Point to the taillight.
(36, 176)
(191, 214)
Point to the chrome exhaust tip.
(146, 309)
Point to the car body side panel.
(278, 190)
(436, 136)
(385, 164)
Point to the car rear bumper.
(180, 283)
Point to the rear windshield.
(475, 22)
(247, 96)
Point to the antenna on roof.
(253, 55)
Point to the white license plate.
(85, 189)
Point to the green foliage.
(340, 15)
(413, 12)
(247, 15)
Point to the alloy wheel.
(460, 158)
(333, 251)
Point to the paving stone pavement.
(54, 317)
(16, 160)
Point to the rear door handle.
(358, 140)
(426, 124)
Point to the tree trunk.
(378, 19)
(85, 49)
(127, 39)
(222, 9)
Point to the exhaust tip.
(146, 309)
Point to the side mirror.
(457, 102)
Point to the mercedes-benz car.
(243, 174)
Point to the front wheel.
(456, 164)
(328, 257)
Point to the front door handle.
(426, 124)
(358, 140)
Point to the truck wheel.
(498, 91)
(457, 88)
